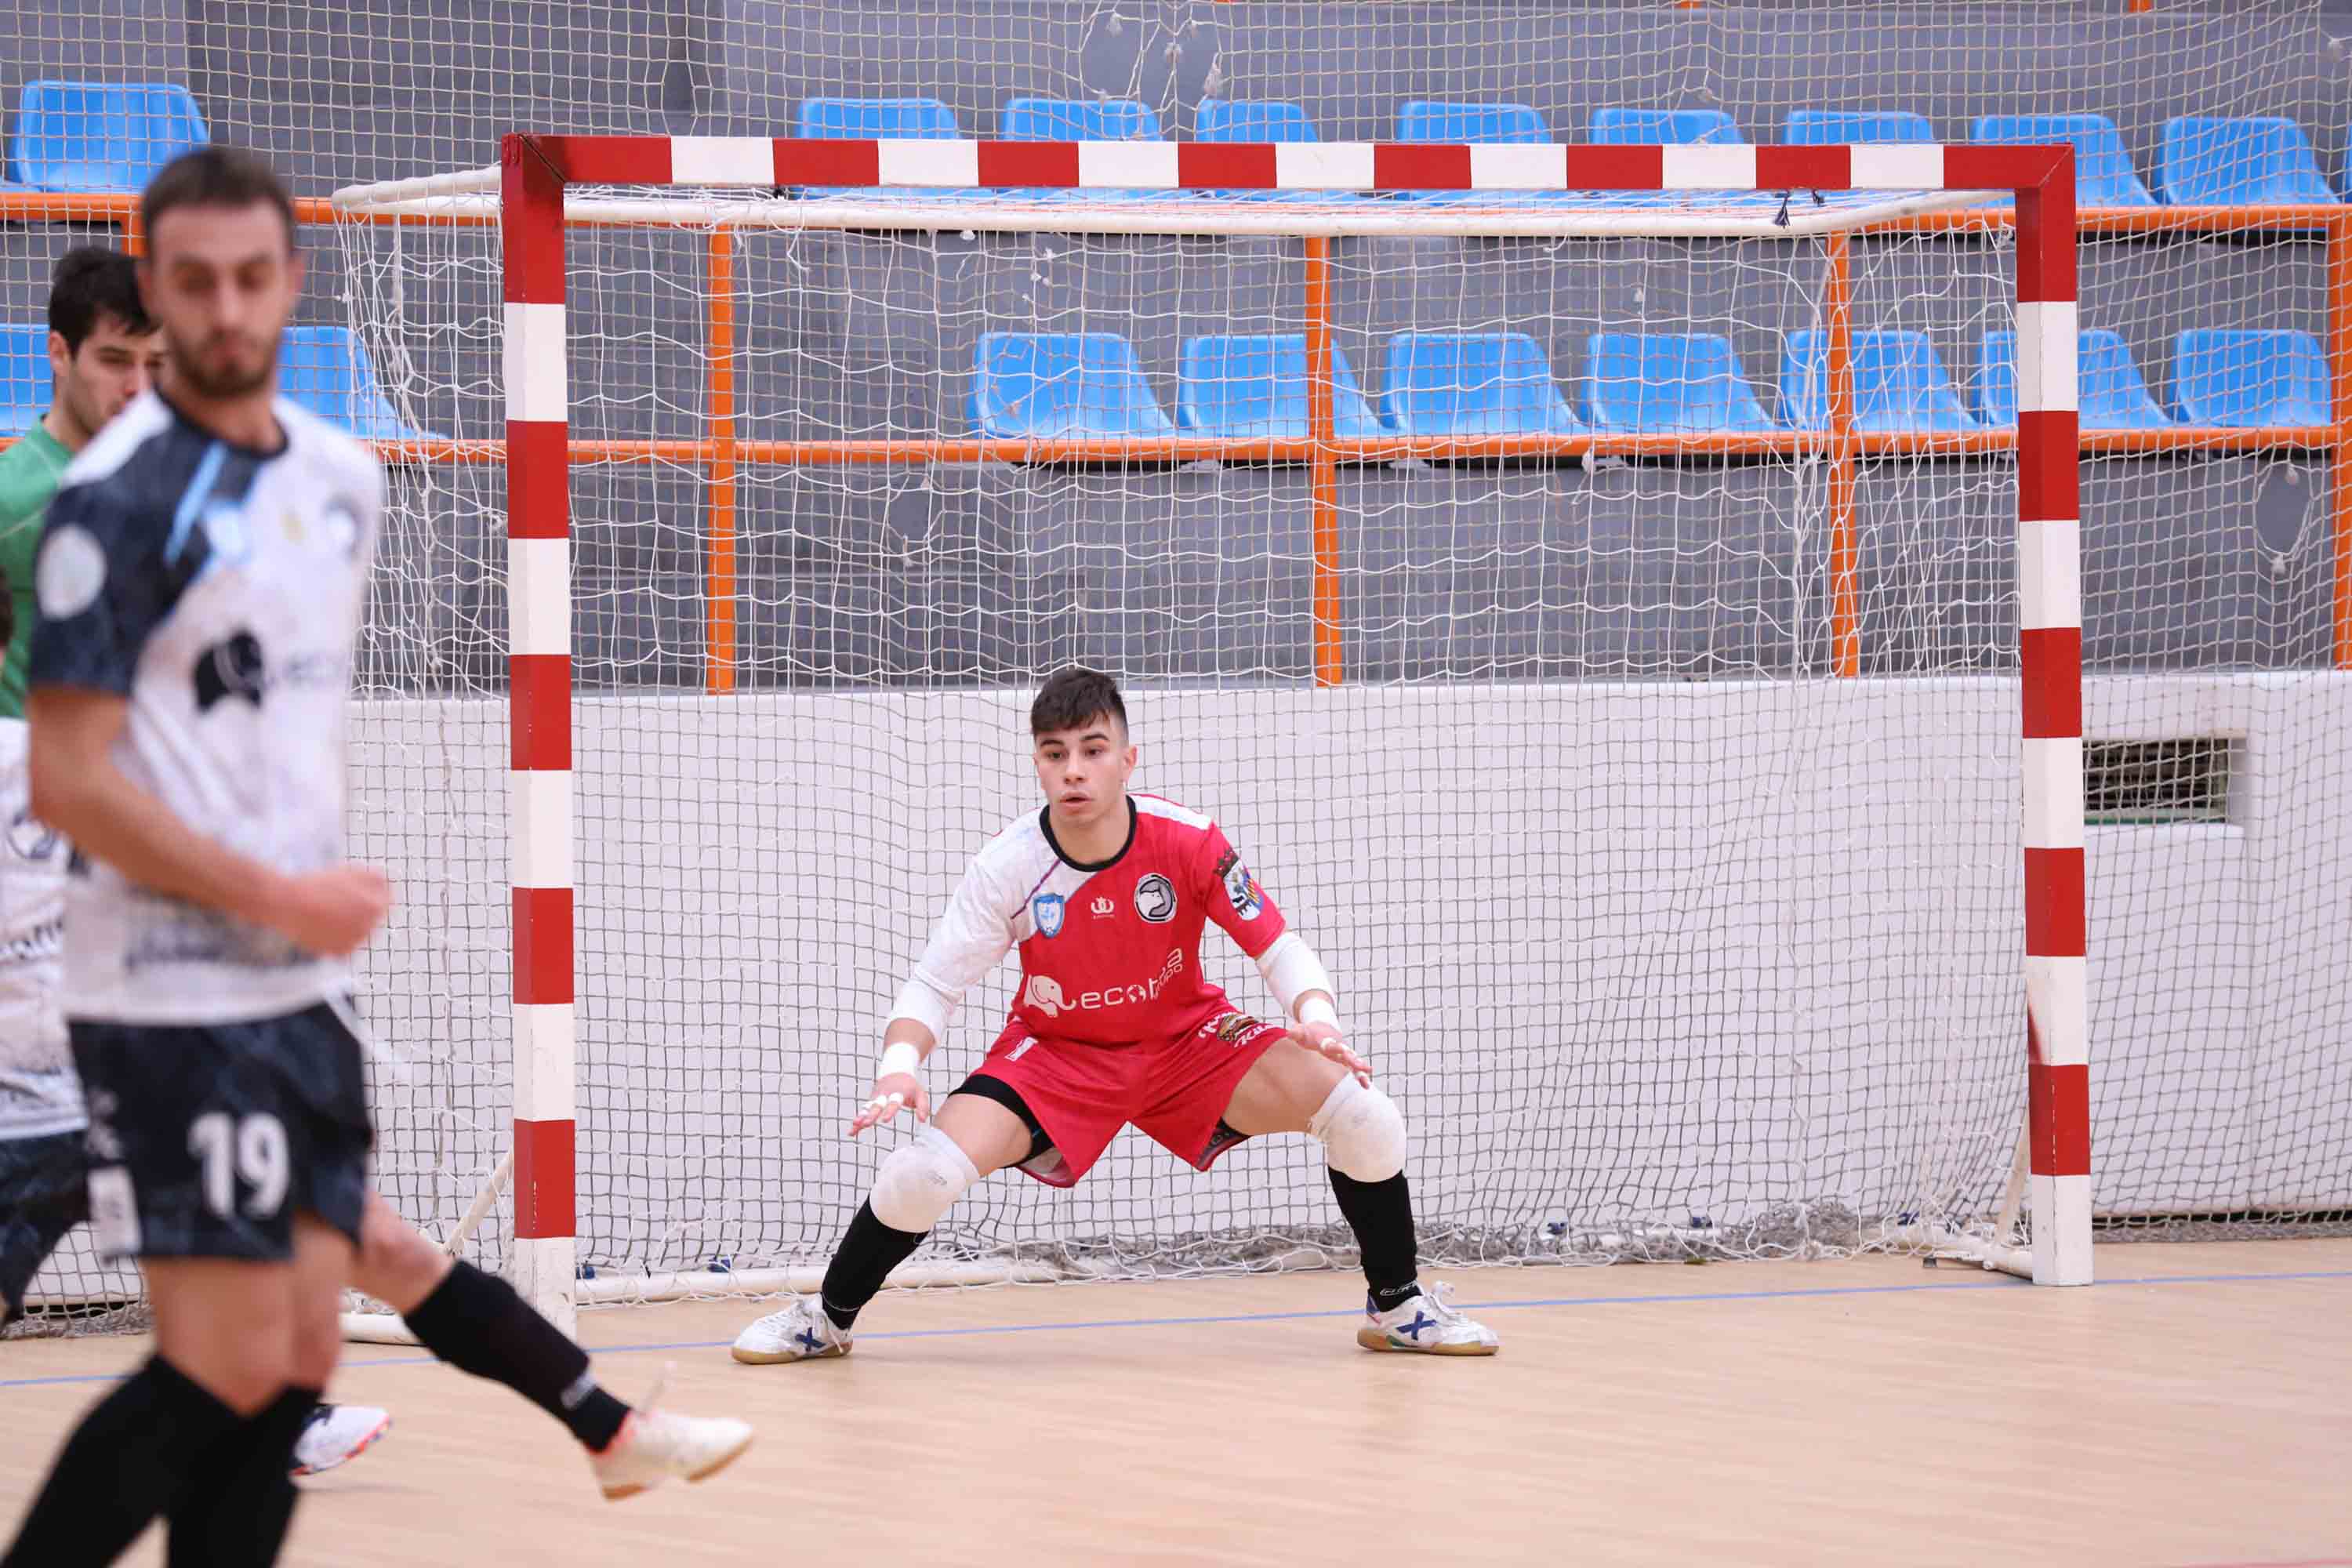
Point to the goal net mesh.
(1648, 915)
(1664, 935)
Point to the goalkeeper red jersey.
(1111, 952)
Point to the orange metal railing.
(725, 452)
(1323, 480)
(2339, 408)
(718, 587)
(1845, 564)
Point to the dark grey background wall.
(987, 574)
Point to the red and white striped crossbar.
(534, 171)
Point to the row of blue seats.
(1046, 386)
(324, 368)
(2207, 161)
(112, 136)
(1058, 385)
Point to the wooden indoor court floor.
(2194, 1409)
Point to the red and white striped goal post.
(535, 170)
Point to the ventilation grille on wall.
(2127, 782)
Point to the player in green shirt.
(103, 351)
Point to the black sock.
(1380, 1214)
(128, 1461)
(237, 1512)
(867, 1253)
(477, 1324)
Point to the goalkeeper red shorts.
(1176, 1090)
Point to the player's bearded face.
(1084, 771)
(221, 282)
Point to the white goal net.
(1662, 825)
(1650, 784)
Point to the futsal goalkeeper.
(1106, 894)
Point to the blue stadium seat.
(1262, 119)
(1257, 387)
(1076, 119)
(1253, 119)
(1058, 385)
(2210, 161)
(1482, 125)
(1423, 120)
(1836, 127)
(2243, 378)
(1668, 383)
(25, 385)
(2109, 391)
(1665, 127)
(2104, 175)
(101, 136)
(1473, 384)
(1899, 383)
(326, 371)
(877, 119)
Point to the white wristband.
(1317, 1009)
(898, 1057)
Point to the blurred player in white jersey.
(200, 582)
(103, 351)
(1107, 895)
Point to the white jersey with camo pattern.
(219, 589)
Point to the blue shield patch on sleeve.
(1045, 909)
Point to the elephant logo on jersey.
(1242, 887)
(1046, 910)
(1155, 899)
(1046, 994)
(230, 668)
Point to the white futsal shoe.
(799, 1332)
(336, 1433)
(654, 1445)
(1429, 1324)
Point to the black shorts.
(44, 1193)
(206, 1140)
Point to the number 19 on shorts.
(250, 1150)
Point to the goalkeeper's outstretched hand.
(1324, 1041)
(893, 1093)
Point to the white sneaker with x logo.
(799, 1332)
(1428, 1323)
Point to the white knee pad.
(1362, 1132)
(918, 1183)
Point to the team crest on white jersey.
(1046, 910)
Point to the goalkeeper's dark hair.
(229, 178)
(92, 282)
(1073, 695)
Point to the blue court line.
(1988, 1282)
